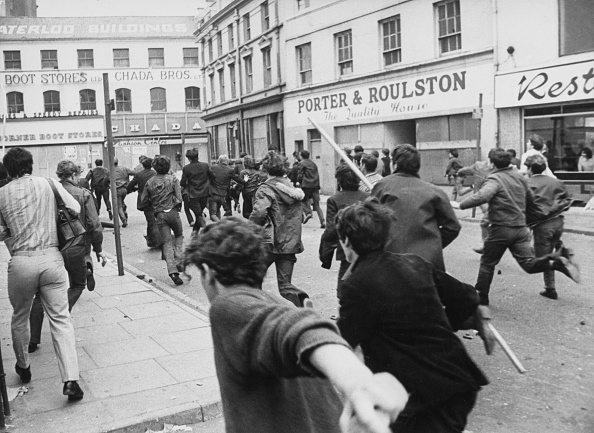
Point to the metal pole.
(341, 153)
(112, 186)
(5, 402)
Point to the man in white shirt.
(536, 144)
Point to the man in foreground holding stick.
(393, 306)
(272, 359)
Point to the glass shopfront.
(566, 130)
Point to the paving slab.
(188, 340)
(189, 366)
(163, 324)
(125, 351)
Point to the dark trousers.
(248, 203)
(197, 206)
(314, 195)
(153, 237)
(172, 245)
(344, 265)
(214, 207)
(121, 195)
(102, 194)
(284, 264)
(547, 238)
(76, 266)
(519, 243)
(450, 416)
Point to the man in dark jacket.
(277, 207)
(219, 187)
(391, 306)
(547, 230)
(153, 238)
(99, 177)
(196, 178)
(163, 193)
(424, 221)
(510, 198)
(309, 181)
(349, 194)
(122, 177)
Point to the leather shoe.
(73, 391)
(32, 347)
(478, 250)
(24, 373)
(90, 280)
(180, 268)
(568, 268)
(549, 293)
(176, 279)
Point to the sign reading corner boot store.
(410, 96)
(552, 85)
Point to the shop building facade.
(383, 73)
(241, 50)
(544, 82)
(52, 85)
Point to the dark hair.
(370, 162)
(537, 163)
(98, 162)
(358, 148)
(147, 162)
(243, 154)
(249, 162)
(375, 153)
(192, 154)
(588, 152)
(18, 162)
(512, 152)
(346, 178)
(407, 159)
(453, 152)
(3, 172)
(272, 147)
(366, 224)
(386, 151)
(305, 154)
(233, 248)
(161, 164)
(536, 141)
(347, 150)
(115, 161)
(500, 158)
(274, 164)
(66, 169)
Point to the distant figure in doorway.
(386, 160)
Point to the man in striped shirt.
(28, 227)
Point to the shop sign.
(155, 141)
(394, 98)
(60, 131)
(557, 84)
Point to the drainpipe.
(496, 65)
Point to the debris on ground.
(169, 428)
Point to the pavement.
(145, 355)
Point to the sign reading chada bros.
(563, 83)
(409, 97)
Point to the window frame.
(247, 28)
(49, 63)
(87, 93)
(231, 37)
(193, 97)
(188, 58)
(52, 103)
(455, 35)
(567, 42)
(211, 78)
(121, 61)
(85, 59)
(249, 74)
(302, 4)
(156, 57)
(304, 73)
(344, 50)
(387, 37)
(155, 100)
(210, 51)
(265, 14)
(16, 106)
(12, 60)
(267, 66)
(233, 80)
(219, 44)
(125, 102)
(221, 74)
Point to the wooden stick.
(341, 153)
(510, 354)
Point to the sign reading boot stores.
(564, 83)
(407, 97)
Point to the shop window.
(304, 67)
(249, 76)
(15, 102)
(211, 80)
(247, 30)
(12, 60)
(156, 57)
(302, 4)
(267, 67)
(222, 84)
(49, 59)
(576, 26)
(87, 99)
(231, 37)
(265, 13)
(51, 101)
(190, 56)
(391, 40)
(192, 98)
(121, 58)
(459, 127)
(158, 99)
(313, 138)
(449, 27)
(85, 59)
(344, 52)
(233, 81)
(123, 100)
(219, 44)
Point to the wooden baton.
(510, 354)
